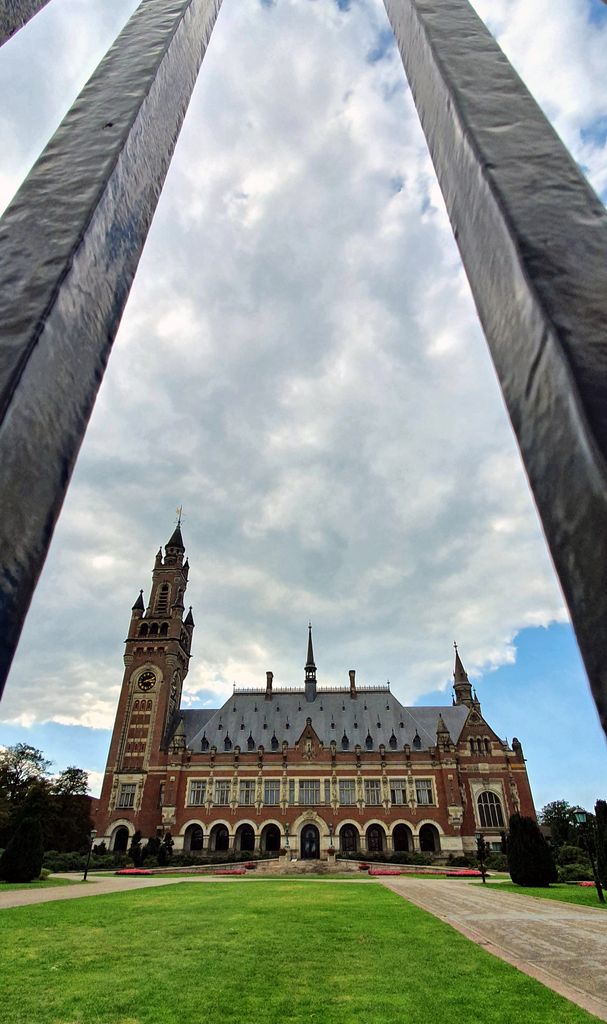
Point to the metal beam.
(14, 14)
(533, 239)
(70, 243)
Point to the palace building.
(308, 769)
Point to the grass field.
(283, 953)
(565, 893)
(48, 883)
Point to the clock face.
(147, 681)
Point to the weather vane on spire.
(179, 512)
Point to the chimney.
(269, 678)
(352, 674)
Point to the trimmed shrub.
(497, 862)
(22, 859)
(461, 862)
(529, 857)
(575, 873)
(570, 855)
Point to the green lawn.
(46, 884)
(283, 953)
(564, 893)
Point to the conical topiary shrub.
(22, 859)
(530, 861)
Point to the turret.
(461, 683)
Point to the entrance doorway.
(310, 843)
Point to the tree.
(22, 859)
(166, 850)
(21, 768)
(529, 857)
(558, 816)
(600, 810)
(71, 782)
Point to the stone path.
(562, 945)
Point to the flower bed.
(134, 871)
(231, 871)
(378, 871)
(586, 885)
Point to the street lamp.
(88, 858)
(286, 835)
(587, 833)
(481, 853)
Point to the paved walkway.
(562, 945)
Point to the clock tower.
(156, 658)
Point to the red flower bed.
(464, 873)
(232, 871)
(378, 871)
(134, 871)
(587, 884)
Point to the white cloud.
(300, 364)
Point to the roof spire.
(310, 669)
(461, 683)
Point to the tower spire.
(310, 669)
(461, 683)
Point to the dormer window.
(417, 743)
(369, 741)
(274, 742)
(392, 741)
(250, 743)
(204, 745)
(227, 743)
(345, 742)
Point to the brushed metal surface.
(70, 243)
(533, 239)
(14, 14)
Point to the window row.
(310, 792)
(480, 746)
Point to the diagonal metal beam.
(533, 239)
(14, 14)
(70, 243)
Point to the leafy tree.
(21, 768)
(529, 857)
(22, 859)
(71, 782)
(600, 810)
(558, 816)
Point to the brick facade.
(308, 768)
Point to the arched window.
(227, 743)
(274, 742)
(136, 706)
(143, 629)
(429, 839)
(193, 839)
(472, 747)
(270, 839)
(479, 746)
(250, 742)
(392, 742)
(376, 839)
(487, 747)
(490, 812)
(348, 839)
(120, 839)
(219, 838)
(402, 838)
(204, 743)
(154, 629)
(417, 743)
(369, 741)
(345, 742)
(164, 628)
(245, 838)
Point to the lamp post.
(287, 838)
(331, 836)
(587, 833)
(88, 858)
(481, 853)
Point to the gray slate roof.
(374, 713)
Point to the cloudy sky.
(301, 367)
